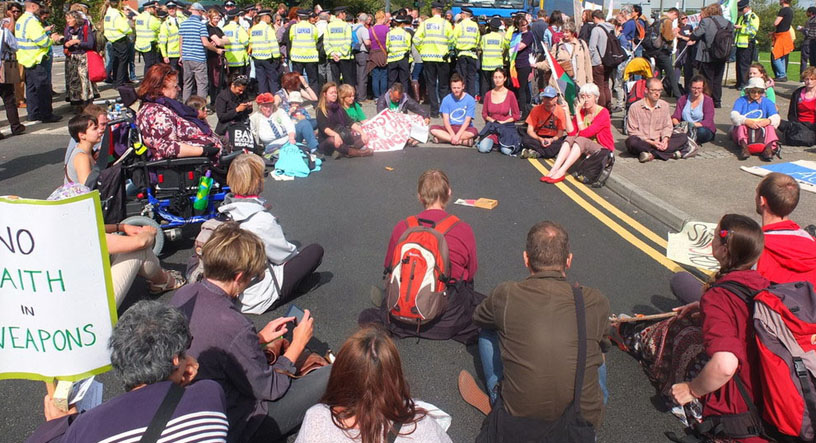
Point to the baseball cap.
(197, 7)
(549, 92)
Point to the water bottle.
(201, 200)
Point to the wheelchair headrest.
(128, 94)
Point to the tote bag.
(96, 66)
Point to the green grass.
(793, 69)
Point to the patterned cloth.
(163, 131)
(80, 87)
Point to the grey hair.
(362, 17)
(569, 26)
(323, 15)
(144, 342)
(77, 15)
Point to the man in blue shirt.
(194, 42)
(458, 110)
(755, 121)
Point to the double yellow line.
(608, 221)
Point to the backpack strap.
(580, 316)
(446, 224)
(744, 293)
(803, 375)
(163, 414)
(412, 221)
(393, 437)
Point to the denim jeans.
(490, 355)
(704, 135)
(379, 81)
(486, 145)
(304, 132)
(779, 66)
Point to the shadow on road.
(28, 163)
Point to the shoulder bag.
(9, 69)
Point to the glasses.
(655, 89)
(698, 88)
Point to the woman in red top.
(501, 107)
(594, 132)
(800, 127)
(728, 332)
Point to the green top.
(355, 111)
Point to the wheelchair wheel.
(139, 220)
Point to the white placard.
(57, 307)
(388, 130)
(692, 246)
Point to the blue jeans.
(379, 81)
(416, 73)
(109, 59)
(779, 66)
(704, 135)
(304, 132)
(486, 145)
(490, 355)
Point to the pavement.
(350, 206)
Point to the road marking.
(605, 219)
(648, 233)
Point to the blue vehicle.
(504, 8)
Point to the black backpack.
(594, 169)
(614, 54)
(653, 42)
(723, 42)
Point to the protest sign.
(803, 171)
(57, 307)
(692, 246)
(388, 130)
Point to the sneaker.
(780, 79)
(645, 157)
(472, 394)
(52, 118)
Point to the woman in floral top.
(169, 128)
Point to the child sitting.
(200, 105)
(86, 133)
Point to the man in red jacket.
(790, 251)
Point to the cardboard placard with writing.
(57, 307)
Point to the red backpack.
(784, 318)
(416, 287)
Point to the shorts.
(587, 146)
(456, 128)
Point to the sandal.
(173, 281)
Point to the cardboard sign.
(57, 307)
(692, 246)
(388, 130)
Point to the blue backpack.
(294, 162)
(355, 40)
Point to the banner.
(388, 130)
(57, 307)
(803, 171)
(692, 246)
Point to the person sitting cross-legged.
(547, 125)
(650, 128)
(529, 342)
(755, 121)
(458, 112)
(397, 100)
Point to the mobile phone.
(296, 312)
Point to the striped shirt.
(191, 31)
(200, 416)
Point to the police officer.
(263, 47)
(337, 44)
(235, 51)
(492, 47)
(434, 38)
(169, 44)
(33, 44)
(116, 32)
(398, 45)
(303, 50)
(147, 34)
(229, 6)
(466, 37)
(747, 26)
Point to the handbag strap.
(580, 316)
(382, 48)
(163, 414)
(393, 437)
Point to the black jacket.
(793, 110)
(225, 105)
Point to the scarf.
(183, 111)
(338, 117)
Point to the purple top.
(85, 34)
(381, 31)
(226, 346)
(708, 112)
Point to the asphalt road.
(350, 208)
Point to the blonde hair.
(231, 251)
(344, 91)
(245, 175)
(79, 7)
(321, 104)
(433, 186)
(379, 16)
(196, 102)
(213, 13)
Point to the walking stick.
(642, 317)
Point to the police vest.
(750, 27)
(116, 25)
(147, 31)
(397, 43)
(169, 43)
(303, 36)
(264, 45)
(492, 46)
(337, 39)
(32, 41)
(434, 39)
(466, 35)
(235, 51)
